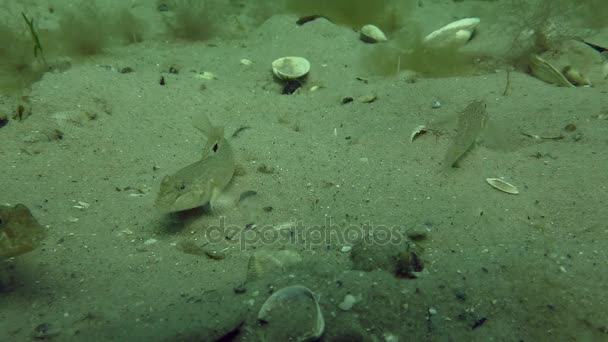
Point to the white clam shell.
(372, 34)
(289, 68)
(291, 314)
(503, 186)
(454, 34)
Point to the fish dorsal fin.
(202, 123)
(215, 142)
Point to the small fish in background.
(19, 231)
(204, 181)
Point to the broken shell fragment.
(544, 71)
(575, 77)
(205, 75)
(455, 34)
(263, 263)
(290, 68)
(372, 34)
(291, 314)
(503, 186)
(418, 131)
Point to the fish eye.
(215, 147)
(181, 186)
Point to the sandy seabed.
(338, 184)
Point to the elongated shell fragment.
(503, 186)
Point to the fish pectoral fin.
(222, 202)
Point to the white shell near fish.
(503, 186)
(454, 34)
(291, 314)
(372, 34)
(290, 68)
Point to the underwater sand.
(526, 267)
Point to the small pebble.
(150, 242)
(348, 302)
(346, 249)
(436, 104)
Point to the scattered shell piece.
(455, 34)
(544, 71)
(348, 302)
(291, 314)
(575, 77)
(369, 98)
(503, 186)
(346, 249)
(205, 75)
(314, 88)
(245, 61)
(436, 104)
(290, 68)
(372, 34)
(264, 262)
(150, 242)
(418, 131)
(82, 205)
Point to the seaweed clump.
(18, 64)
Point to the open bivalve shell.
(290, 68)
(543, 70)
(291, 314)
(455, 34)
